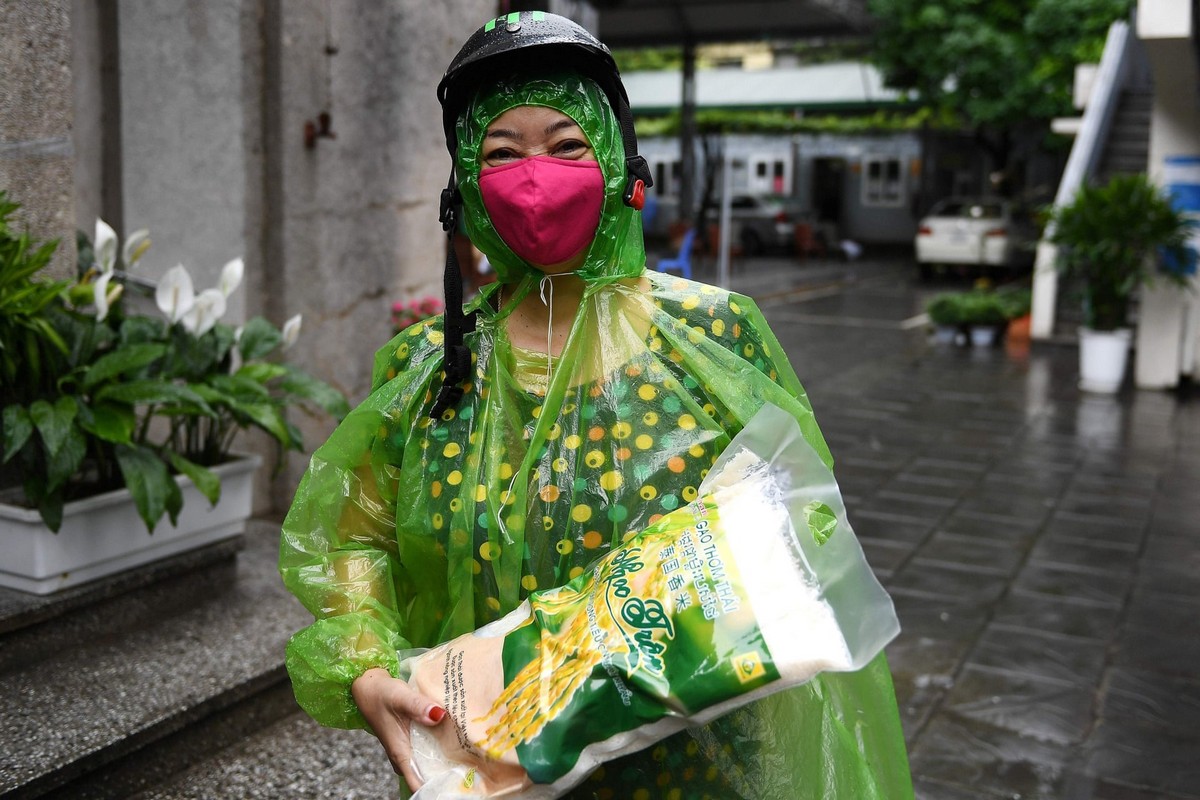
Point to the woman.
(582, 399)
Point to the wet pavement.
(1042, 545)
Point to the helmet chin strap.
(457, 361)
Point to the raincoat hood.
(617, 251)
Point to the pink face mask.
(546, 209)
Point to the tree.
(997, 66)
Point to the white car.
(981, 231)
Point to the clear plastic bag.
(755, 587)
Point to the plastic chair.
(683, 261)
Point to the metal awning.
(640, 23)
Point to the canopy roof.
(837, 86)
(638, 23)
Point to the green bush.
(976, 307)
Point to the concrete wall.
(192, 124)
(36, 112)
(353, 220)
(181, 133)
(1167, 340)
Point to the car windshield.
(969, 209)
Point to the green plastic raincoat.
(407, 531)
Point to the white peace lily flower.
(105, 247)
(235, 360)
(135, 247)
(114, 293)
(291, 331)
(175, 295)
(231, 276)
(100, 295)
(204, 313)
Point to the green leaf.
(67, 460)
(18, 427)
(149, 392)
(206, 480)
(239, 387)
(50, 506)
(270, 418)
(123, 361)
(137, 330)
(194, 357)
(301, 384)
(174, 502)
(109, 421)
(223, 335)
(54, 422)
(262, 371)
(149, 482)
(259, 337)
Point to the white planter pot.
(104, 535)
(946, 334)
(1103, 356)
(984, 335)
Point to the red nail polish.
(436, 713)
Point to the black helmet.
(526, 40)
(520, 41)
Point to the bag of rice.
(755, 587)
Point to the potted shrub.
(984, 314)
(945, 314)
(978, 314)
(102, 409)
(1108, 237)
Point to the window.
(883, 181)
(769, 175)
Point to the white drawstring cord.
(549, 304)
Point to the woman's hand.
(390, 706)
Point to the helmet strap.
(635, 165)
(457, 360)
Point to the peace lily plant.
(95, 398)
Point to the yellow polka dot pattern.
(621, 452)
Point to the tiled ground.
(1042, 547)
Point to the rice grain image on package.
(756, 586)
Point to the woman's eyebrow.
(504, 133)
(554, 127)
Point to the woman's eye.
(571, 147)
(500, 154)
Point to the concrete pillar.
(36, 114)
(1166, 29)
(687, 134)
(89, 110)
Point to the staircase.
(168, 682)
(1127, 150)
